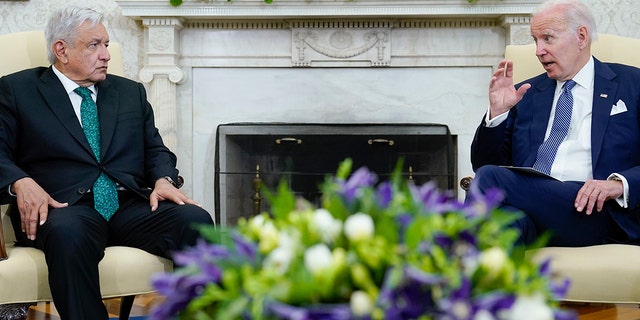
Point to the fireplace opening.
(253, 157)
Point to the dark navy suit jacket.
(615, 139)
(41, 137)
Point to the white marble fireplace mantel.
(318, 61)
(216, 9)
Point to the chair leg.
(126, 303)
(15, 311)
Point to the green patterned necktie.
(105, 195)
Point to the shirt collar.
(68, 84)
(584, 77)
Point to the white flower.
(361, 304)
(483, 315)
(289, 238)
(461, 310)
(530, 308)
(279, 259)
(328, 227)
(493, 260)
(318, 258)
(359, 226)
(257, 222)
(268, 235)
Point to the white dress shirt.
(75, 98)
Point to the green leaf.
(282, 202)
(175, 3)
(344, 169)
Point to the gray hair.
(577, 13)
(63, 25)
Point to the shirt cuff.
(623, 200)
(9, 191)
(496, 121)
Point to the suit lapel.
(604, 93)
(108, 113)
(58, 101)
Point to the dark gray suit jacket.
(41, 137)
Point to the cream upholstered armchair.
(124, 272)
(603, 273)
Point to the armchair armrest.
(3, 248)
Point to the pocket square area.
(619, 107)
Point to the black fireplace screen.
(252, 157)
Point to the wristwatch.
(170, 181)
(615, 178)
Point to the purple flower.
(384, 194)
(465, 245)
(494, 302)
(545, 268)
(565, 314)
(408, 296)
(313, 312)
(479, 203)
(202, 253)
(404, 219)
(178, 290)
(458, 305)
(244, 247)
(359, 179)
(198, 268)
(443, 241)
(559, 290)
(433, 200)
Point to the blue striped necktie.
(559, 129)
(105, 195)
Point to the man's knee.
(194, 214)
(74, 224)
(487, 177)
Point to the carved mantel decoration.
(337, 44)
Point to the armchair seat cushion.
(600, 274)
(24, 274)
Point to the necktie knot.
(84, 92)
(568, 85)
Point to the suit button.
(82, 190)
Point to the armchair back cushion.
(27, 49)
(607, 48)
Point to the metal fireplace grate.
(251, 157)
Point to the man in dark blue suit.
(590, 195)
(50, 164)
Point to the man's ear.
(583, 37)
(60, 50)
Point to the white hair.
(577, 13)
(63, 25)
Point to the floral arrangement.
(372, 250)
